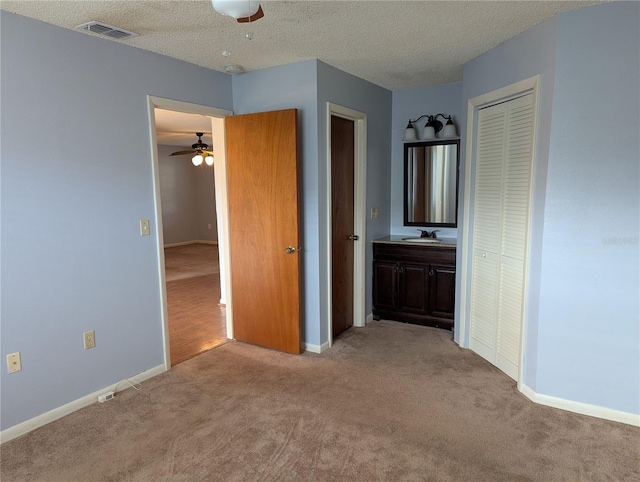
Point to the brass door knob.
(290, 250)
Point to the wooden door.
(262, 185)
(342, 222)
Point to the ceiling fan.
(242, 10)
(201, 151)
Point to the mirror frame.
(405, 208)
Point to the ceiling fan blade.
(256, 16)
(182, 153)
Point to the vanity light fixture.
(430, 129)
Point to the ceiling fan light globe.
(236, 8)
(197, 160)
(209, 160)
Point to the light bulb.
(209, 160)
(197, 160)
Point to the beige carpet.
(388, 402)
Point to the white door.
(501, 221)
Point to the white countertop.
(447, 243)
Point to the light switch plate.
(144, 227)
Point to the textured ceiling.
(179, 129)
(394, 44)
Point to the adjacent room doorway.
(206, 294)
(245, 294)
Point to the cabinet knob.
(431, 272)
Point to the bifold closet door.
(504, 158)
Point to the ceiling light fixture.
(236, 8)
(431, 128)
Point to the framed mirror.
(431, 183)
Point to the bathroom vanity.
(414, 280)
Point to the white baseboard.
(581, 408)
(185, 243)
(52, 415)
(315, 348)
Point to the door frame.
(220, 181)
(474, 104)
(359, 213)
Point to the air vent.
(107, 30)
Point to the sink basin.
(421, 240)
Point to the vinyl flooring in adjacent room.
(196, 319)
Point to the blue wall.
(73, 260)
(340, 88)
(526, 55)
(287, 87)
(589, 324)
(76, 180)
(582, 338)
(308, 86)
(411, 104)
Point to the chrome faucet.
(428, 234)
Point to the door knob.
(353, 237)
(290, 249)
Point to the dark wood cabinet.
(414, 283)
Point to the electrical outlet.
(144, 227)
(105, 397)
(14, 363)
(374, 213)
(89, 339)
(208, 226)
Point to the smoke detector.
(107, 30)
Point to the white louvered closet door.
(500, 229)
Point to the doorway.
(342, 226)
(197, 289)
(354, 124)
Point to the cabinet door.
(413, 295)
(385, 285)
(442, 291)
